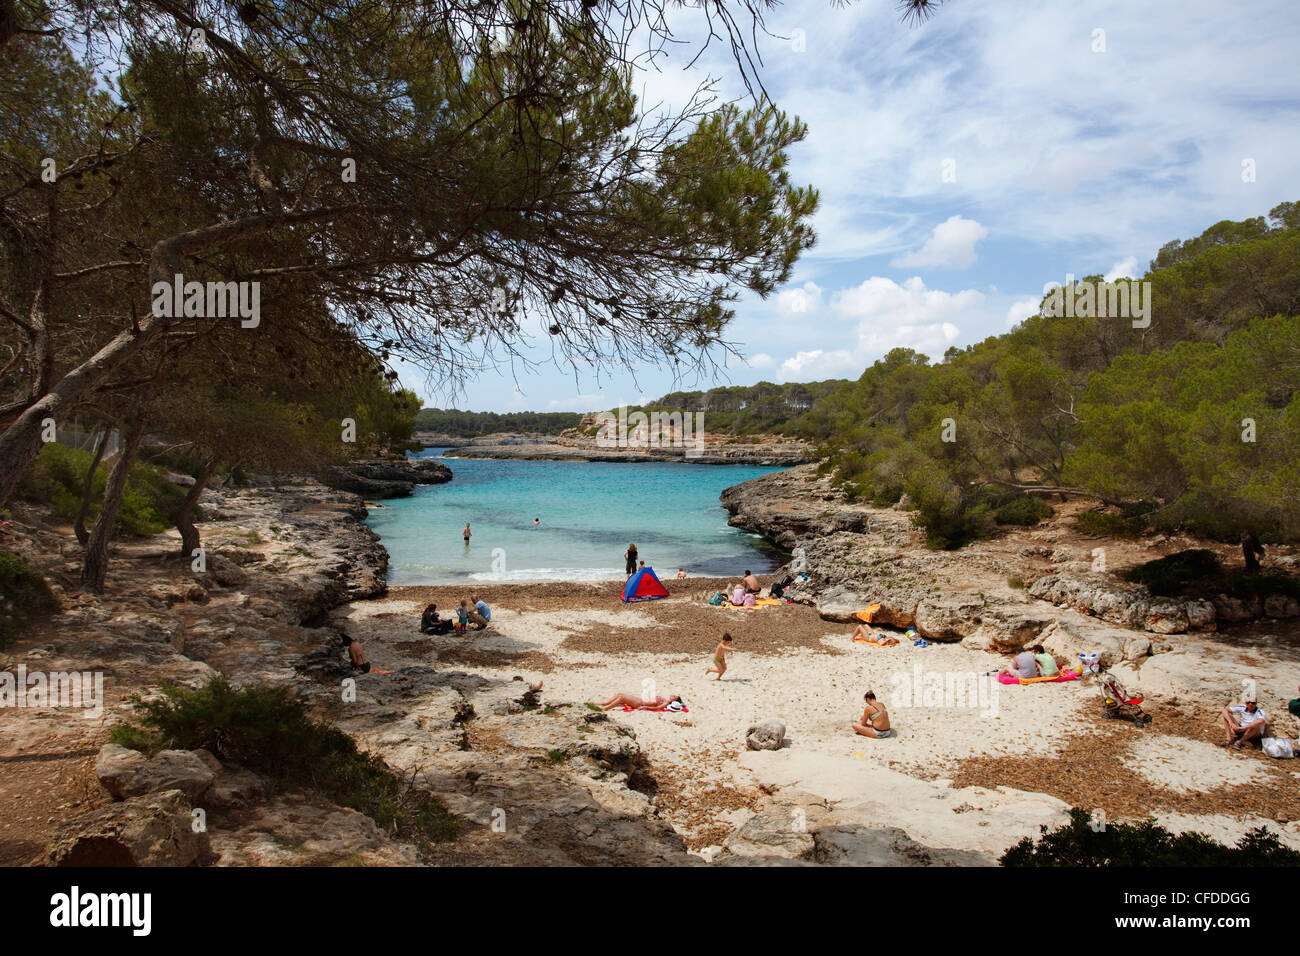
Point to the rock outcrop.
(152, 830)
(765, 735)
(385, 478)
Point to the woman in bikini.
(637, 702)
(875, 719)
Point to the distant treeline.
(458, 424)
(764, 408)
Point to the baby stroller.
(1118, 703)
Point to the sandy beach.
(967, 774)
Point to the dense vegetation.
(1190, 423)
(1146, 844)
(451, 421)
(268, 730)
(790, 409)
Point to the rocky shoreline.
(385, 478)
(281, 560)
(1050, 584)
(579, 445)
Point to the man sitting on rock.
(481, 613)
(1244, 721)
(356, 654)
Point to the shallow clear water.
(589, 511)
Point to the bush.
(949, 516)
(149, 502)
(1143, 844)
(24, 596)
(1110, 526)
(268, 730)
(1025, 511)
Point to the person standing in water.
(630, 556)
(466, 534)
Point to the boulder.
(124, 776)
(778, 831)
(765, 735)
(1070, 638)
(949, 619)
(152, 830)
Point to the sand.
(975, 765)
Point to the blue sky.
(966, 163)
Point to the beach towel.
(657, 710)
(760, 603)
(875, 643)
(867, 613)
(1059, 678)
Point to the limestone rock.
(123, 776)
(765, 735)
(152, 830)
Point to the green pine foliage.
(1080, 843)
(24, 596)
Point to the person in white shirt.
(1244, 721)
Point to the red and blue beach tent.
(644, 586)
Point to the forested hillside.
(1192, 422)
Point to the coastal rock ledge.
(383, 478)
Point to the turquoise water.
(589, 511)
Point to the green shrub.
(24, 596)
(268, 730)
(1024, 511)
(1143, 844)
(149, 502)
(949, 515)
(1109, 525)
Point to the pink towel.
(657, 710)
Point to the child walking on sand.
(720, 653)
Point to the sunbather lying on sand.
(865, 633)
(637, 702)
(875, 719)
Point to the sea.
(588, 513)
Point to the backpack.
(777, 590)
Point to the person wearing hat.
(1244, 721)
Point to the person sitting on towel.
(1047, 666)
(1023, 665)
(875, 719)
(738, 595)
(751, 583)
(1244, 721)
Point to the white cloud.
(761, 360)
(1126, 268)
(819, 364)
(950, 246)
(1021, 310)
(800, 301)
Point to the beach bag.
(1278, 747)
(717, 599)
(777, 590)
(749, 599)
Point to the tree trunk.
(87, 485)
(189, 533)
(96, 564)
